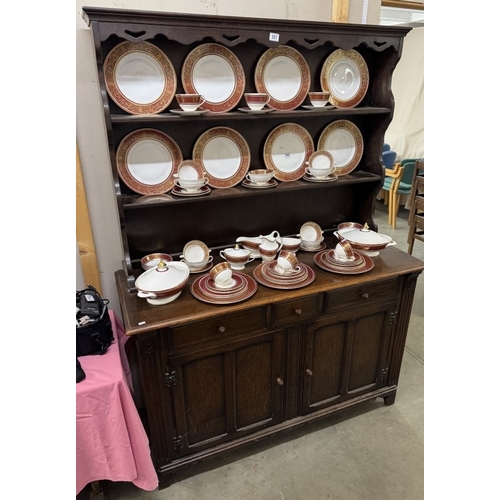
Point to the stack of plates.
(268, 275)
(327, 260)
(239, 288)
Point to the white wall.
(90, 128)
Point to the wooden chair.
(416, 217)
(391, 183)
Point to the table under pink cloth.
(111, 442)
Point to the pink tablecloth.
(111, 442)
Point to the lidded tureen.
(363, 238)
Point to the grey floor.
(375, 452)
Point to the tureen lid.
(364, 235)
(163, 277)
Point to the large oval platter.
(213, 71)
(343, 140)
(286, 150)
(139, 78)
(283, 73)
(345, 76)
(224, 155)
(147, 160)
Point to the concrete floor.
(375, 452)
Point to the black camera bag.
(96, 336)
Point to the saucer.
(320, 247)
(202, 269)
(183, 192)
(256, 111)
(326, 107)
(189, 113)
(328, 178)
(223, 286)
(253, 185)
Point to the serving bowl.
(363, 238)
(163, 283)
(153, 259)
(290, 244)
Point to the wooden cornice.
(403, 4)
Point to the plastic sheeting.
(405, 133)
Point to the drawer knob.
(309, 372)
(363, 295)
(222, 329)
(280, 382)
(298, 312)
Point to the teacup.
(221, 273)
(189, 102)
(268, 254)
(256, 101)
(319, 173)
(191, 184)
(290, 244)
(237, 257)
(260, 176)
(319, 99)
(196, 265)
(343, 250)
(312, 245)
(287, 262)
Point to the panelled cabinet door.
(227, 392)
(346, 355)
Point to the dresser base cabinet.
(214, 378)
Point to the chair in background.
(402, 186)
(388, 158)
(391, 180)
(416, 218)
(386, 147)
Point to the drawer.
(362, 295)
(294, 311)
(217, 328)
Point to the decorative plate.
(200, 290)
(286, 151)
(345, 76)
(224, 155)
(321, 261)
(147, 160)
(283, 73)
(345, 143)
(213, 71)
(139, 78)
(261, 274)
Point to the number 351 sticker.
(274, 37)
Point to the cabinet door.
(346, 355)
(228, 391)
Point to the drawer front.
(362, 295)
(217, 328)
(293, 311)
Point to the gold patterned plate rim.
(163, 141)
(355, 58)
(252, 185)
(271, 139)
(357, 137)
(189, 85)
(146, 49)
(305, 77)
(244, 150)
